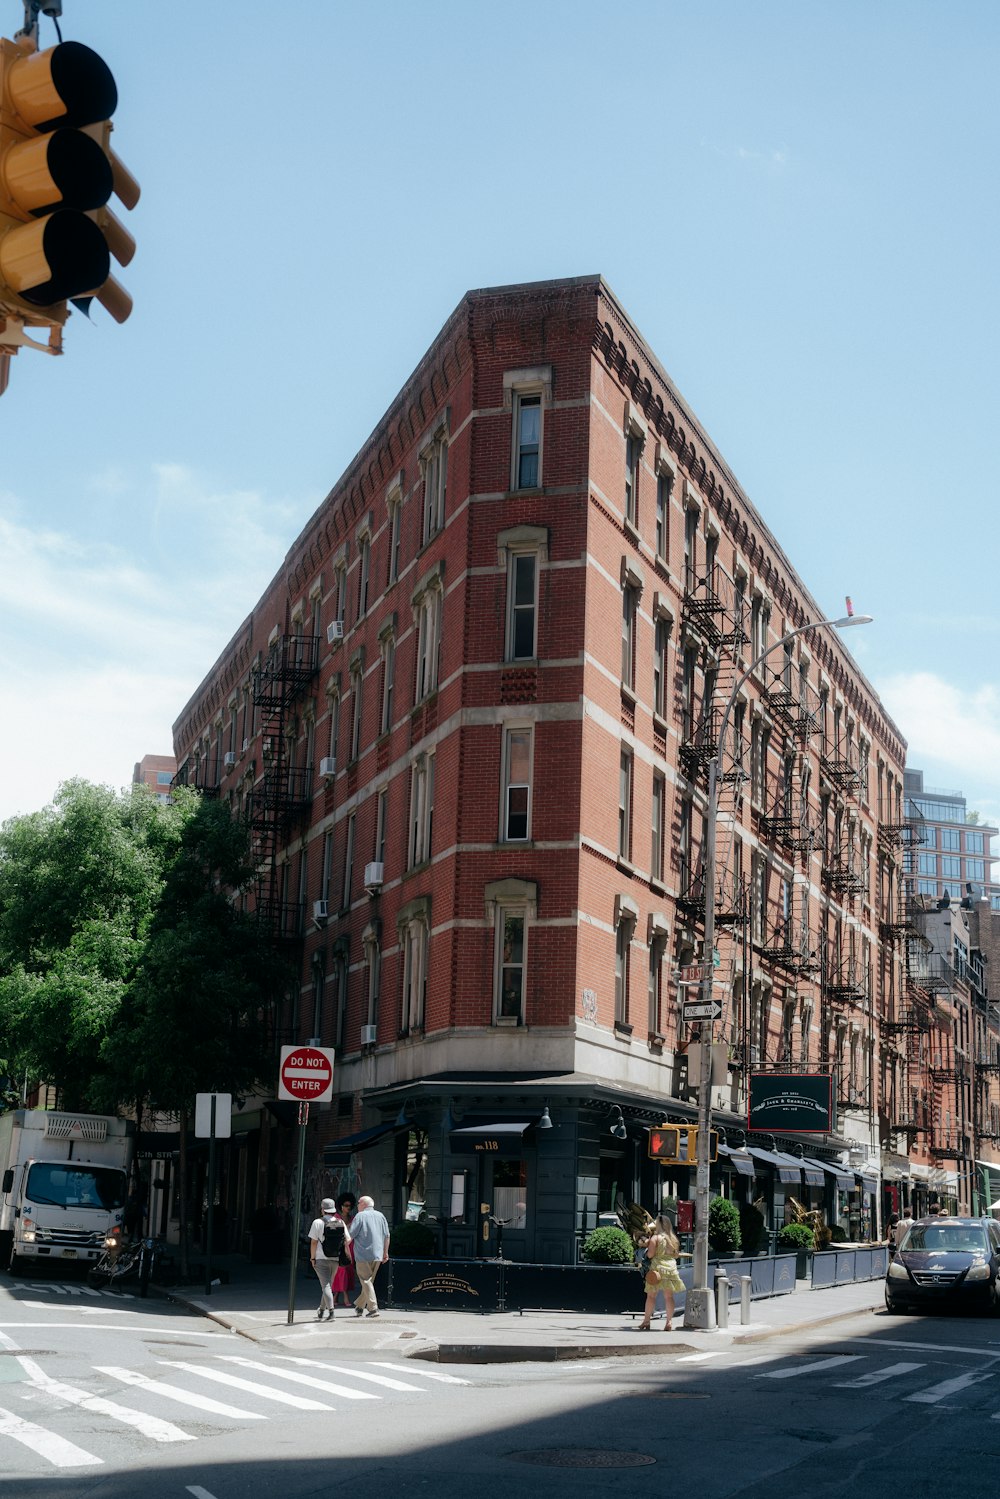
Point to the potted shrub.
(801, 1238)
(608, 1246)
(724, 1227)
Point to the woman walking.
(328, 1238)
(662, 1248)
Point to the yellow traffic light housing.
(57, 174)
(677, 1144)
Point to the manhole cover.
(582, 1457)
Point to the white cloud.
(953, 735)
(103, 644)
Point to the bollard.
(721, 1297)
(746, 1283)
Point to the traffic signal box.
(57, 174)
(677, 1144)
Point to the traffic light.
(57, 174)
(677, 1144)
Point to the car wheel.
(892, 1308)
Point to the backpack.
(333, 1240)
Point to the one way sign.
(709, 1009)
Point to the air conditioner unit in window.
(321, 910)
(373, 876)
(334, 631)
(369, 1035)
(229, 759)
(328, 766)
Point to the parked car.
(946, 1262)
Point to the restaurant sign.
(799, 1102)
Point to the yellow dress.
(661, 1268)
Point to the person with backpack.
(328, 1240)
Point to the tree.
(78, 884)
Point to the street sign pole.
(297, 1209)
(211, 1197)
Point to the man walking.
(370, 1237)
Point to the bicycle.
(141, 1259)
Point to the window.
(434, 468)
(373, 963)
(334, 726)
(327, 865)
(318, 983)
(421, 809)
(427, 618)
(522, 606)
(760, 618)
(927, 863)
(510, 966)
(951, 868)
(516, 813)
(414, 932)
(691, 518)
(633, 462)
(927, 887)
(664, 488)
(950, 840)
(975, 869)
(394, 506)
(357, 682)
(974, 843)
(626, 915)
(527, 441)
(388, 680)
(630, 609)
(163, 778)
(657, 951)
(364, 566)
(658, 825)
(661, 643)
(340, 588)
(345, 899)
(381, 823)
(339, 990)
(625, 805)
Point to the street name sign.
(305, 1074)
(690, 974)
(709, 1009)
(209, 1121)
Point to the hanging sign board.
(800, 1102)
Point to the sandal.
(644, 1327)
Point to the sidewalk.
(255, 1305)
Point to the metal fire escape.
(282, 793)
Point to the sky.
(795, 202)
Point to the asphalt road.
(104, 1397)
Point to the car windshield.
(70, 1186)
(964, 1238)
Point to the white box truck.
(64, 1184)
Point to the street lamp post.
(699, 1309)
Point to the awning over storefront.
(869, 1182)
(740, 1160)
(895, 1168)
(496, 1137)
(812, 1175)
(841, 1175)
(788, 1169)
(339, 1152)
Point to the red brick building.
(469, 723)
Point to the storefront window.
(510, 1185)
(414, 1188)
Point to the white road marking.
(55, 1449)
(150, 1426)
(921, 1347)
(804, 1369)
(6, 1342)
(891, 1371)
(250, 1386)
(307, 1379)
(453, 1378)
(41, 1285)
(352, 1373)
(945, 1388)
(174, 1392)
(698, 1358)
(140, 1327)
(198, 1492)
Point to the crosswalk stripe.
(174, 1392)
(379, 1379)
(55, 1449)
(947, 1387)
(307, 1379)
(864, 1380)
(149, 1426)
(221, 1376)
(813, 1368)
(429, 1374)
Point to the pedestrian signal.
(677, 1144)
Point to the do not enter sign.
(306, 1074)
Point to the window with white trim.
(414, 934)
(515, 825)
(334, 744)
(625, 921)
(372, 948)
(381, 824)
(327, 865)
(633, 463)
(340, 588)
(388, 644)
(511, 905)
(394, 508)
(625, 805)
(630, 613)
(318, 985)
(427, 618)
(421, 809)
(659, 822)
(664, 489)
(522, 550)
(657, 952)
(345, 896)
(364, 568)
(434, 469)
(661, 647)
(340, 973)
(357, 685)
(527, 441)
